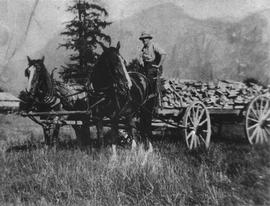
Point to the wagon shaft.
(59, 113)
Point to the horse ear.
(118, 45)
(29, 60)
(43, 58)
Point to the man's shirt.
(148, 53)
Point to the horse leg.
(55, 133)
(85, 131)
(145, 121)
(83, 135)
(78, 134)
(145, 124)
(115, 136)
(47, 135)
(145, 127)
(49, 132)
(132, 132)
(100, 133)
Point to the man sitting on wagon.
(152, 58)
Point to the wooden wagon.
(197, 115)
(194, 118)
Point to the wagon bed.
(254, 115)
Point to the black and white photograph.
(135, 102)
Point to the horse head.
(110, 69)
(39, 82)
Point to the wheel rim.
(198, 126)
(258, 120)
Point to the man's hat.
(145, 35)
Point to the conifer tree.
(83, 35)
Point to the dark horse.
(44, 94)
(126, 94)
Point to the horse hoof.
(145, 159)
(133, 145)
(114, 152)
(150, 149)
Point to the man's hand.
(156, 66)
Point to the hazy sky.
(196, 8)
(18, 36)
(27, 25)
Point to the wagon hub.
(264, 123)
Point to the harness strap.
(70, 95)
(52, 101)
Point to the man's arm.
(162, 59)
(140, 59)
(162, 54)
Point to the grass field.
(230, 172)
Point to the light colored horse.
(49, 95)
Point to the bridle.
(48, 97)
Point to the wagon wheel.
(258, 120)
(197, 125)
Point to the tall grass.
(226, 174)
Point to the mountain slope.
(196, 49)
(199, 49)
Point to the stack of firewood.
(220, 94)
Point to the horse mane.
(108, 71)
(47, 77)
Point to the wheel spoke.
(254, 112)
(251, 127)
(254, 120)
(267, 115)
(264, 135)
(266, 107)
(202, 138)
(191, 142)
(261, 107)
(198, 140)
(257, 105)
(189, 135)
(201, 123)
(192, 112)
(189, 117)
(259, 136)
(256, 135)
(253, 134)
(197, 111)
(267, 132)
(196, 116)
(195, 141)
(201, 115)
